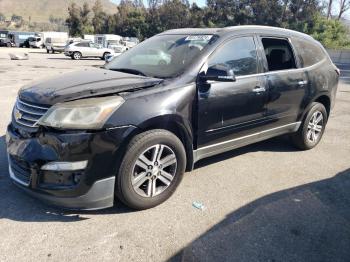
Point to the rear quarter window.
(309, 53)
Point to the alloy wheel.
(154, 171)
(315, 127)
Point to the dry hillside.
(41, 10)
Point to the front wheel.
(104, 55)
(76, 56)
(312, 128)
(151, 170)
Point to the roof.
(237, 30)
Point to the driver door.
(230, 110)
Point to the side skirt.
(222, 147)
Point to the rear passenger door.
(286, 81)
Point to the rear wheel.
(312, 128)
(104, 55)
(151, 169)
(48, 51)
(76, 56)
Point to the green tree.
(73, 21)
(99, 18)
(85, 19)
(331, 33)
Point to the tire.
(48, 51)
(76, 56)
(145, 144)
(310, 132)
(104, 55)
(162, 62)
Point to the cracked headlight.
(90, 113)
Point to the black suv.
(132, 128)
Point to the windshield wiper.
(128, 70)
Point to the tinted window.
(310, 53)
(83, 44)
(239, 54)
(279, 54)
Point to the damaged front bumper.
(48, 165)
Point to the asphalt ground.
(264, 202)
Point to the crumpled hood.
(83, 84)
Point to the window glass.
(279, 54)
(239, 54)
(83, 44)
(310, 53)
(163, 56)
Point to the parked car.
(55, 44)
(86, 49)
(117, 46)
(130, 130)
(26, 43)
(36, 42)
(6, 42)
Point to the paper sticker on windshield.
(198, 38)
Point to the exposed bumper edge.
(100, 195)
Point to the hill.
(41, 10)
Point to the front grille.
(20, 171)
(27, 114)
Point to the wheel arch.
(325, 100)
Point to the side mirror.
(219, 72)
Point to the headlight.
(91, 113)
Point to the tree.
(329, 9)
(2, 17)
(331, 33)
(344, 5)
(86, 25)
(73, 21)
(98, 21)
(16, 18)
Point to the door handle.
(302, 82)
(259, 89)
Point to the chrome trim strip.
(283, 71)
(29, 119)
(221, 147)
(25, 124)
(30, 105)
(19, 107)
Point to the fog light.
(65, 166)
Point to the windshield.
(164, 56)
